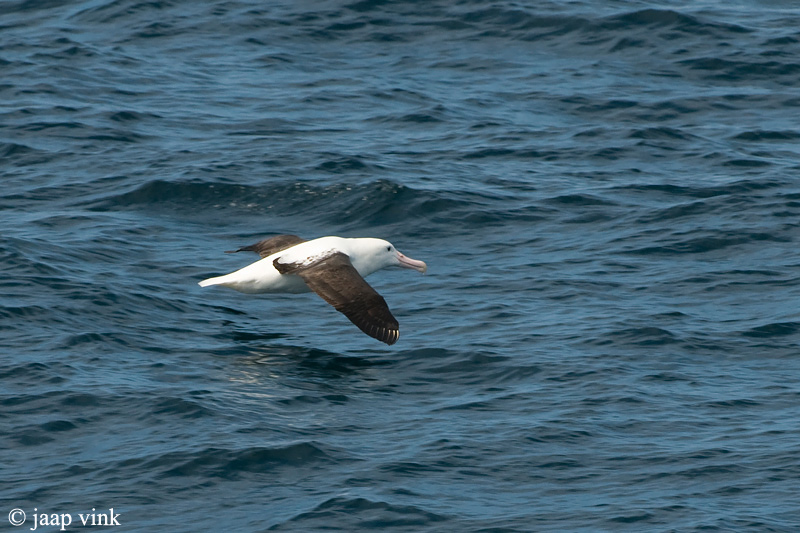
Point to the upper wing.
(335, 279)
(267, 247)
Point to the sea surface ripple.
(606, 194)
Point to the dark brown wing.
(267, 247)
(335, 279)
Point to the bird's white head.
(370, 255)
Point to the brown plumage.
(270, 246)
(335, 279)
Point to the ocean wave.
(734, 187)
(14, 150)
(775, 329)
(226, 463)
(350, 513)
(665, 18)
(739, 70)
(701, 242)
(374, 204)
(401, 22)
(640, 336)
(759, 135)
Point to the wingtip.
(385, 335)
(391, 336)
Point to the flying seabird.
(333, 267)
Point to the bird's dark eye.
(388, 248)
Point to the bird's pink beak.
(407, 262)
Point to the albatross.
(332, 267)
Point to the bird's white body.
(366, 254)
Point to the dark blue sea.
(607, 195)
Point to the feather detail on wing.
(333, 277)
(270, 246)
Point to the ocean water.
(607, 197)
